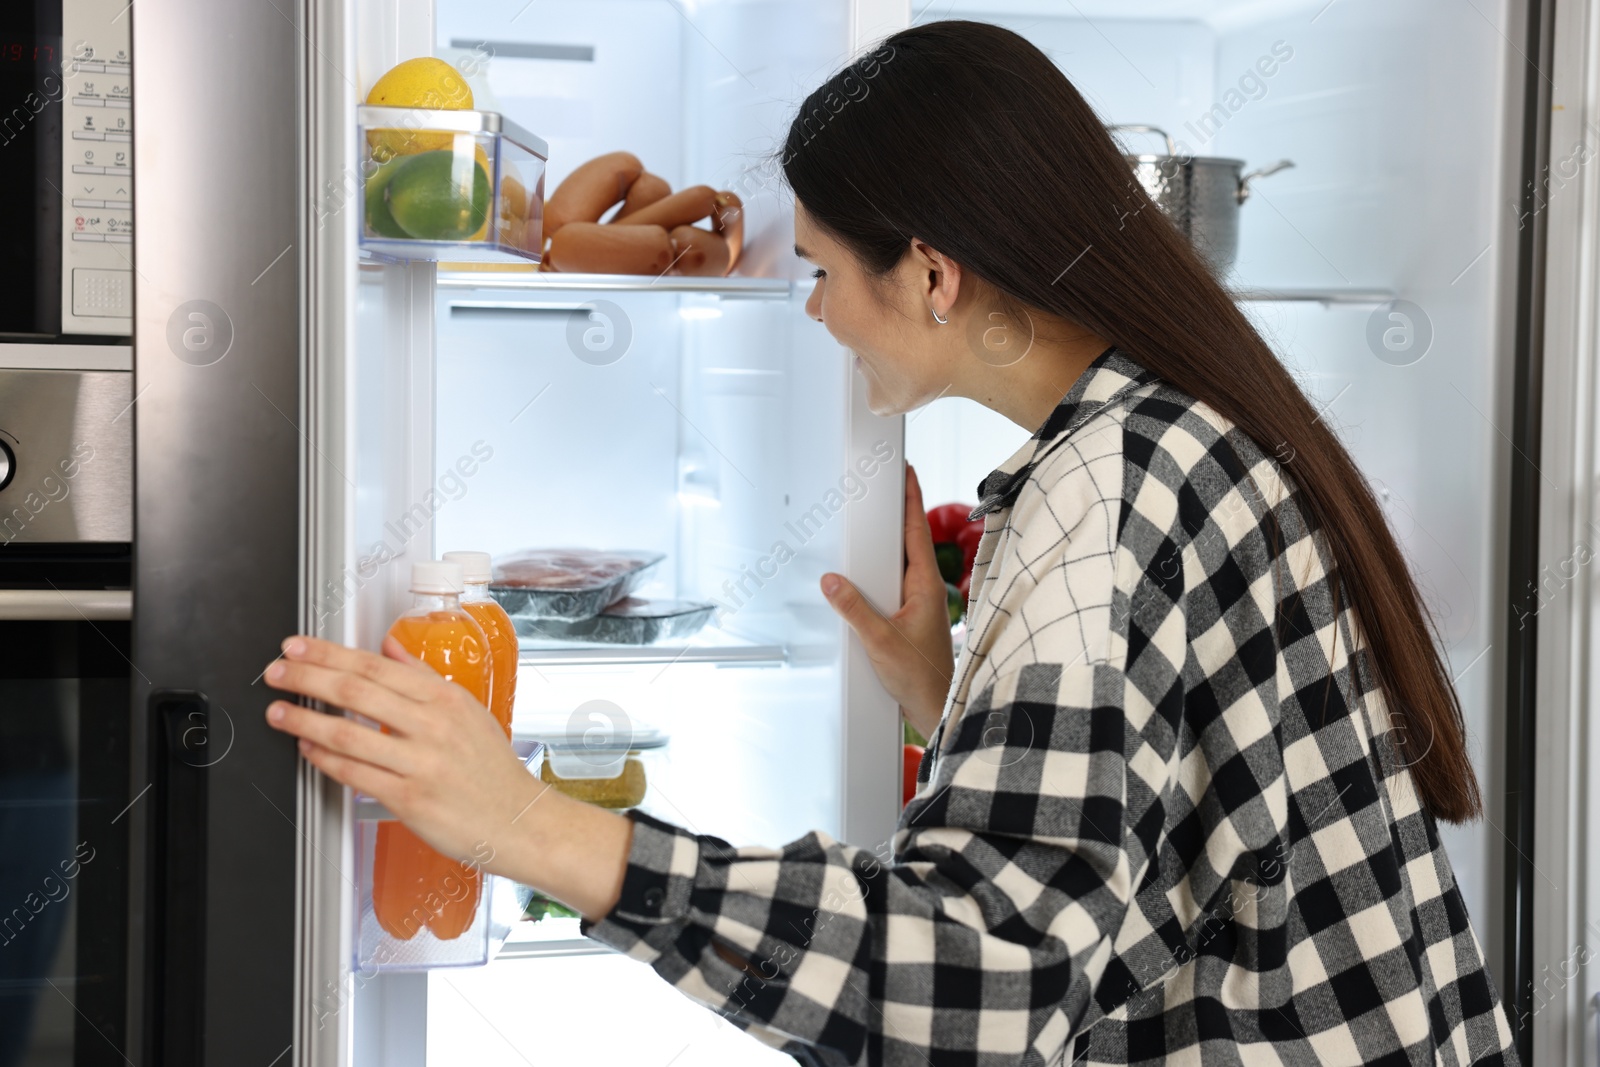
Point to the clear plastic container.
(598, 755)
(463, 186)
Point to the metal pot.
(1200, 194)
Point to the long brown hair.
(968, 137)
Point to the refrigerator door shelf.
(368, 809)
(417, 203)
(375, 950)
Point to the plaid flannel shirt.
(1162, 818)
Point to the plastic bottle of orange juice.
(412, 885)
(497, 628)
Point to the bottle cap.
(474, 565)
(437, 577)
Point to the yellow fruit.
(513, 198)
(424, 82)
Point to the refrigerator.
(313, 413)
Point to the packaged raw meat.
(630, 621)
(566, 583)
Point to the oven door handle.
(65, 605)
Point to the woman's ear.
(940, 275)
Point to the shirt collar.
(1103, 382)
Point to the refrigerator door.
(220, 457)
(1553, 878)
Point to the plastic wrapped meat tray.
(630, 621)
(566, 583)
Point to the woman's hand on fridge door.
(909, 650)
(442, 766)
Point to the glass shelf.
(1249, 295)
(531, 280)
(708, 646)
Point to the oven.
(65, 698)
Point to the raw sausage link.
(646, 189)
(610, 248)
(727, 219)
(700, 253)
(591, 189)
(679, 209)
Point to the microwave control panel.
(97, 168)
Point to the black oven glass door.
(64, 758)
(31, 87)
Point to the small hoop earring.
(937, 319)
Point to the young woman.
(1181, 788)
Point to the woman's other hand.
(910, 650)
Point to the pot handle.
(1172, 146)
(1261, 172)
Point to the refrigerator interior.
(1392, 114)
(713, 424)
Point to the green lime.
(379, 221)
(948, 553)
(428, 197)
(954, 602)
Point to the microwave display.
(66, 192)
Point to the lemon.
(513, 198)
(433, 200)
(424, 82)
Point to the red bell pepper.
(946, 519)
(910, 760)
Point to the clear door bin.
(464, 186)
(417, 910)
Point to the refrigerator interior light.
(700, 312)
(702, 499)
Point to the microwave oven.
(66, 186)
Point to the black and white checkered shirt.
(1162, 819)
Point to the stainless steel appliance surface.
(1200, 194)
(66, 456)
(66, 518)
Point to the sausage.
(646, 189)
(610, 248)
(679, 209)
(727, 219)
(699, 252)
(588, 191)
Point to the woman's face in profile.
(880, 320)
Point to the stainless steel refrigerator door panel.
(66, 456)
(219, 446)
